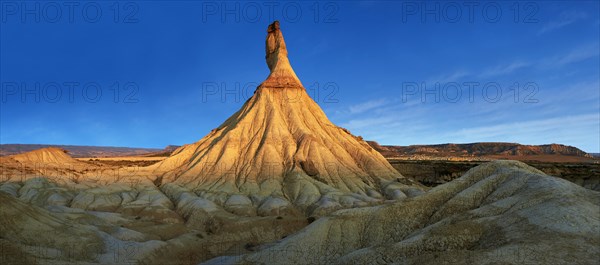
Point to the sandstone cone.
(280, 142)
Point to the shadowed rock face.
(275, 45)
(502, 212)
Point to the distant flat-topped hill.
(80, 150)
(486, 151)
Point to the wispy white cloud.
(450, 77)
(355, 124)
(368, 105)
(504, 69)
(578, 54)
(551, 128)
(497, 70)
(566, 18)
(579, 95)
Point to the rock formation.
(282, 75)
(281, 146)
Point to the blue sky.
(149, 74)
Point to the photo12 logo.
(223, 92)
(265, 12)
(69, 92)
(469, 11)
(68, 12)
(453, 92)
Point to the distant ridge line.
(489, 150)
(79, 150)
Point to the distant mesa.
(171, 148)
(489, 150)
(167, 151)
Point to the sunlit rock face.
(282, 75)
(280, 146)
